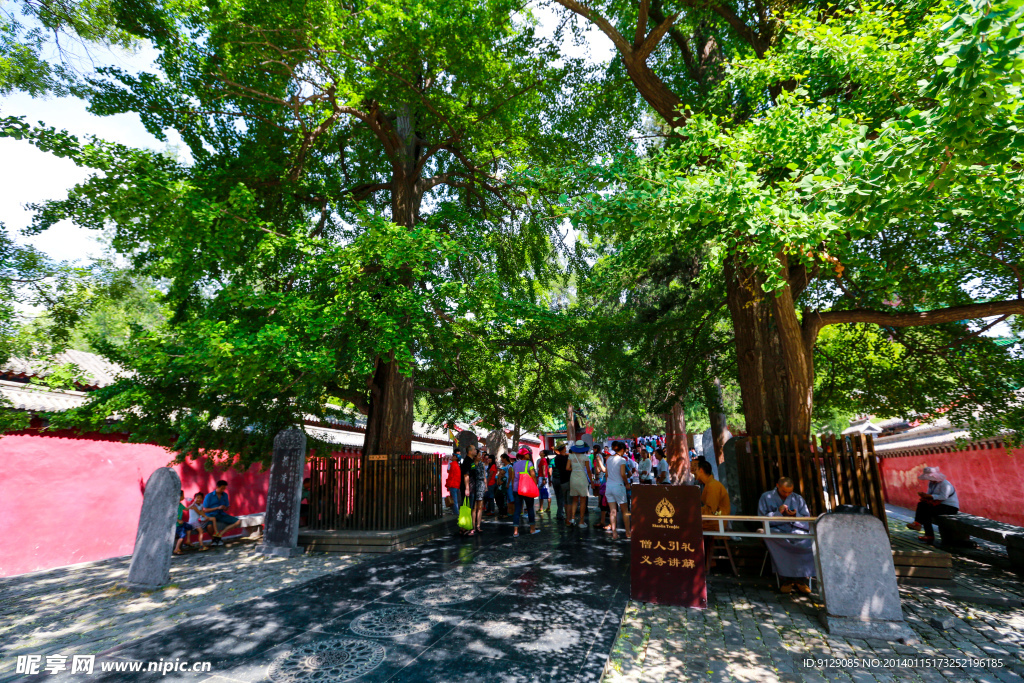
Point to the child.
(198, 521)
(544, 476)
(182, 528)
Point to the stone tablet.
(497, 444)
(465, 439)
(731, 478)
(154, 541)
(858, 578)
(284, 495)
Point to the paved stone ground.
(750, 632)
(81, 609)
(453, 610)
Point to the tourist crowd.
(571, 475)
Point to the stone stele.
(858, 579)
(465, 439)
(730, 477)
(284, 495)
(497, 444)
(154, 541)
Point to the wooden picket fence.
(828, 473)
(374, 493)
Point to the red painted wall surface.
(72, 498)
(989, 481)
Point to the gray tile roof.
(39, 399)
(99, 372)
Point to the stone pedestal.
(284, 496)
(858, 579)
(154, 541)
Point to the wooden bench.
(959, 528)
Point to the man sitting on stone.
(792, 559)
(939, 500)
(215, 506)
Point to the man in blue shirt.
(792, 559)
(215, 505)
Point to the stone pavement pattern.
(751, 632)
(544, 607)
(81, 609)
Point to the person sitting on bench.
(792, 559)
(939, 500)
(714, 500)
(198, 521)
(215, 506)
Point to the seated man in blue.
(792, 559)
(941, 499)
(215, 506)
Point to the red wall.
(989, 480)
(71, 498)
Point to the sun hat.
(932, 474)
(579, 447)
(524, 451)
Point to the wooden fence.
(838, 471)
(374, 493)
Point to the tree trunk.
(516, 435)
(760, 367)
(389, 423)
(570, 426)
(798, 356)
(716, 416)
(392, 395)
(676, 448)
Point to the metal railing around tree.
(837, 471)
(374, 493)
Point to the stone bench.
(959, 528)
(251, 523)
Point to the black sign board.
(667, 550)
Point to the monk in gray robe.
(792, 559)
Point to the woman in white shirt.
(644, 468)
(615, 489)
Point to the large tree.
(346, 205)
(866, 169)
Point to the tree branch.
(917, 319)
(641, 24)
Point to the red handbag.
(527, 486)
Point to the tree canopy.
(865, 169)
(348, 216)
(817, 206)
